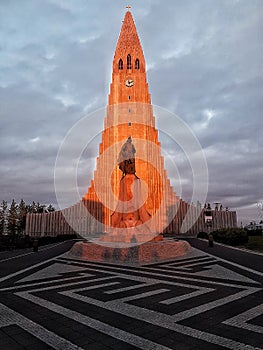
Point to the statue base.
(130, 212)
(150, 252)
(129, 238)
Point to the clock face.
(129, 82)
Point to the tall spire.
(128, 38)
(128, 42)
(129, 83)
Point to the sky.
(204, 64)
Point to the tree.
(50, 208)
(12, 218)
(3, 214)
(31, 208)
(40, 208)
(22, 211)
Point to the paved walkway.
(196, 302)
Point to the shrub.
(50, 239)
(231, 236)
(257, 232)
(202, 235)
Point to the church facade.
(129, 116)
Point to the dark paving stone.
(92, 335)
(98, 313)
(152, 302)
(84, 341)
(25, 339)
(217, 315)
(258, 321)
(97, 346)
(122, 346)
(238, 334)
(175, 342)
(182, 346)
(39, 347)
(99, 293)
(18, 338)
(181, 262)
(201, 280)
(73, 335)
(157, 335)
(10, 345)
(110, 341)
(55, 324)
(4, 337)
(11, 330)
(243, 258)
(255, 339)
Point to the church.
(130, 189)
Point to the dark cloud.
(204, 64)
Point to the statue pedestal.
(129, 221)
(130, 238)
(149, 252)
(130, 212)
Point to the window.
(137, 64)
(129, 124)
(120, 64)
(129, 97)
(129, 110)
(129, 62)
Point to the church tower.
(129, 70)
(130, 114)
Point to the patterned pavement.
(194, 302)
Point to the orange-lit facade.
(129, 113)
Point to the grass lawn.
(255, 243)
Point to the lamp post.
(43, 221)
(208, 217)
(216, 205)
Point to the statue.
(126, 159)
(130, 212)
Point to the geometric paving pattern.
(194, 302)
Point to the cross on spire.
(128, 7)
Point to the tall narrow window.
(137, 64)
(120, 64)
(129, 62)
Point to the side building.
(57, 223)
